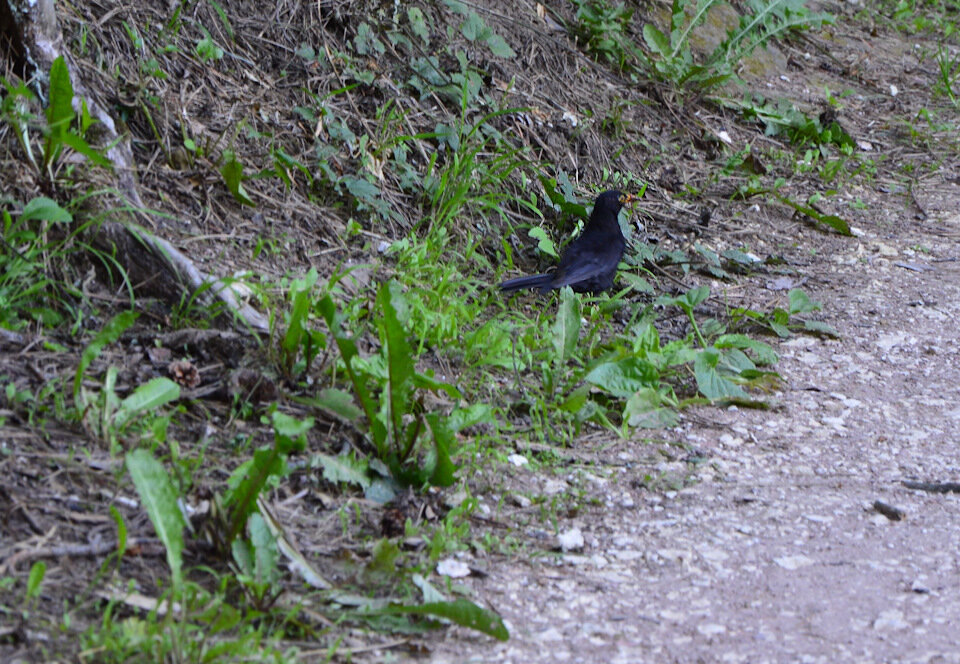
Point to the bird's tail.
(533, 281)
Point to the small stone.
(891, 620)
(571, 540)
(711, 629)
(455, 569)
(793, 562)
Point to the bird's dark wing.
(532, 281)
(584, 268)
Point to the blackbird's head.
(612, 201)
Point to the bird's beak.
(628, 198)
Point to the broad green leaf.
(800, 303)
(779, 329)
(148, 397)
(159, 498)
(478, 413)
(544, 243)
(566, 328)
(362, 188)
(300, 291)
(833, 221)
(333, 402)
(232, 172)
(564, 200)
(644, 409)
(763, 352)
(244, 486)
(37, 571)
(461, 612)
(637, 282)
(821, 328)
(430, 593)
(399, 357)
(473, 27)
(242, 552)
(443, 439)
(624, 377)
(418, 24)
(348, 351)
(740, 257)
(456, 6)
(575, 400)
(656, 40)
(84, 148)
(264, 549)
(688, 301)
(425, 382)
(291, 427)
(709, 380)
(44, 209)
(499, 47)
(60, 109)
(646, 339)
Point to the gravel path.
(776, 553)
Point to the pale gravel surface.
(774, 554)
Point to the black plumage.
(589, 263)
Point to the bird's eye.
(622, 198)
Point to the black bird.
(589, 263)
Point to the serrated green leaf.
(418, 24)
(334, 402)
(362, 188)
(342, 468)
(478, 413)
(290, 427)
